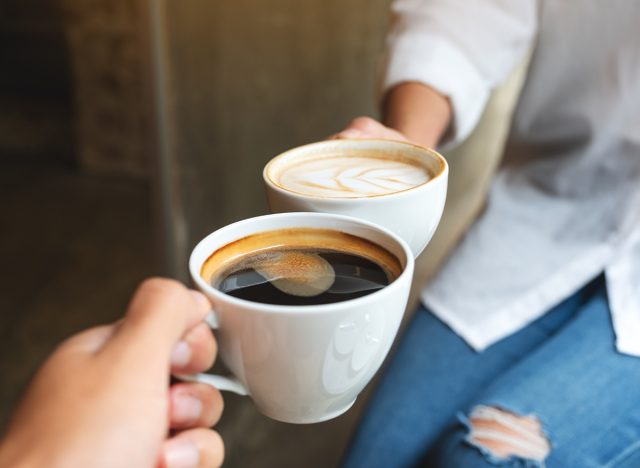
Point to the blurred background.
(129, 129)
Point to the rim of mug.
(400, 193)
(195, 266)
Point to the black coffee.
(300, 266)
(341, 276)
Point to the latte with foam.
(352, 174)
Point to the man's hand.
(103, 398)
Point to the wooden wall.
(241, 81)
(236, 82)
(111, 108)
(35, 84)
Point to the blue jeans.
(562, 368)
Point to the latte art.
(340, 176)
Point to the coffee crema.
(300, 266)
(347, 175)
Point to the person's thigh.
(432, 375)
(585, 396)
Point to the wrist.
(11, 456)
(28, 450)
(419, 112)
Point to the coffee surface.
(301, 266)
(349, 176)
(345, 277)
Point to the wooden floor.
(73, 248)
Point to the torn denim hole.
(507, 438)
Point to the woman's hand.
(366, 127)
(103, 398)
(413, 112)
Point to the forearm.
(417, 111)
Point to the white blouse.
(565, 205)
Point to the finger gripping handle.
(227, 384)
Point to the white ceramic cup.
(303, 364)
(413, 214)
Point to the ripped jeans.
(555, 394)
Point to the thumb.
(159, 314)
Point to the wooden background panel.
(35, 84)
(247, 79)
(105, 43)
(237, 82)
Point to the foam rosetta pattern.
(350, 177)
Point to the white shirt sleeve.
(461, 48)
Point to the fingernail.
(181, 453)
(181, 354)
(351, 132)
(185, 408)
(201, 298)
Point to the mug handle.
(229, 384)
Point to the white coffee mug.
(413, 214)
(303, 364)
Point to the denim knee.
(488, 437)
(452, 451)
